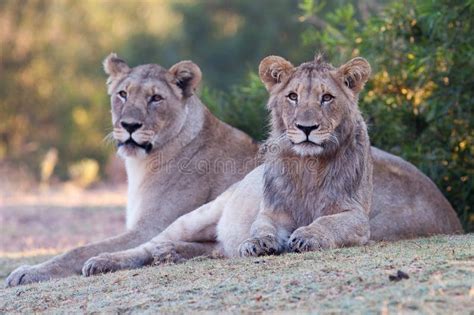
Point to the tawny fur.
(310, 208)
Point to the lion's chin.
(307, 149)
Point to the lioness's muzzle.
(147, 146)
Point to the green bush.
(243, 107)
(420, 100)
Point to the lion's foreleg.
(346, 228)
(269, 234)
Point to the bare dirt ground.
(55, 220)
(440, 270)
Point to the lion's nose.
(130, 127)
(307, 129)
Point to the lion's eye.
(156, 98)
(123, 94)
(327, 98)
(293, 96)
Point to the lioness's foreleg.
(71, 262)
(347, 228)
(161, 253)
(191, 235)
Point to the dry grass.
(441, 271)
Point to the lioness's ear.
(274, 70)
(114, 66)
(355, 73)
(187, 76)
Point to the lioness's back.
(229, 153)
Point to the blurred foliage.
(84, 173)
(52, 87)
(231, 37)
(418, 102)
(243, 107)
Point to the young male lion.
(314, 190)
(178, 156)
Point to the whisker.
(275, 140)
(109, 138)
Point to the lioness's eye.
(326, 98)
(293, 96)
(123, 94)
(156, 98)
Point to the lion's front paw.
(259, 246)
(165, 253)
(27, 274)
(104, 263)
(306, 239)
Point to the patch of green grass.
(441, 271)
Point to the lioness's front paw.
(165, 253)
(306, 239)
(27, 274)
(104, 263)
(259, 246)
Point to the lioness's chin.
(307, 149)
(129, 150)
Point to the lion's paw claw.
(259, 246)
(305, 241)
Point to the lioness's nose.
(307, 129)
(130, 127)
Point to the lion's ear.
(186, 75)
(274, 70)
(355, 73)
(114, 66)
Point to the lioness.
(178, 156)
(314, 190)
